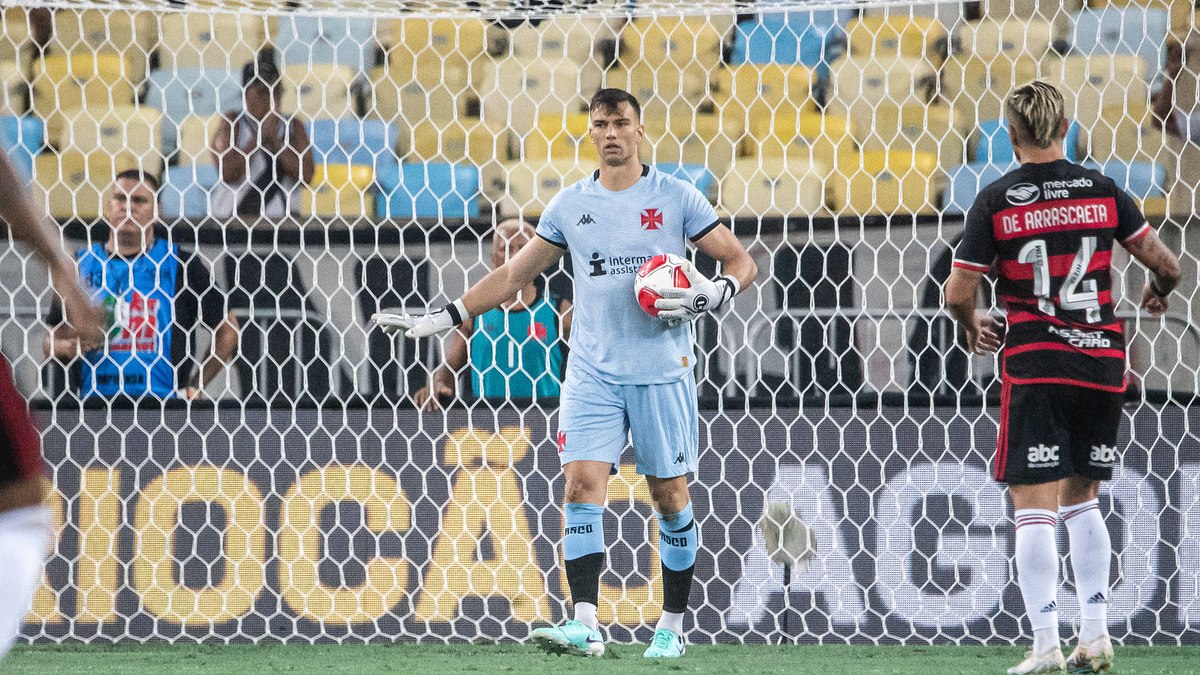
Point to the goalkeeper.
(629, 375)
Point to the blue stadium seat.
(1140, 179)
(696, 174)
(191, 91)
(323, 39)
(353, 141)
(994, 146)
(966, 181)
(808, 38)
(185, 192)
(21, 139)
(427, 190)
(1123, 30)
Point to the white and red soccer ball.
(663, 271)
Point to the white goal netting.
(305, 498)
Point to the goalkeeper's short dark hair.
(609, 100)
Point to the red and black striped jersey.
(1047, 230)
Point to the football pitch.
(471, 658)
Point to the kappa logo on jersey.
(1041, 456)
(652, 219)
(1103, 455)
(1022, 194)
(1084, 339)
(586, 219)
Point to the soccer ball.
(665, 270)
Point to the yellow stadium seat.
(134, 130)
(339, 191)
(1056, 11)
(664, 81)
(133, 35)
(706, 139)
(761, 90)
(15, 45)
(1090, 83)
(210, 40)
(574, 37)
(884, 37)
(428, 45)
(774, 186)
(195, 139)
(680, 40)
(408, 100)
(458, 140)
(921, 128)
(68, 82)
(887, 182)
(812, 137)
(73, 185)
(976, 87)
(529, 187)
(859, 85)
(561, 136)
(1012, 37)
(319, 90)
(1125, 133)
(13, 88)
(515, 92)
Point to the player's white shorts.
(597, 419)
(24, 540)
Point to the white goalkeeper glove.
(421, 325)
(680, 305)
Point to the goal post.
(308, 500)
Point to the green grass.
(430, 659)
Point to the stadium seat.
(14, 88)
(764, 90)
(130, 34)
(859, 85)
(76, 81)
(1142, 180)
(922, 128)
(966, 181)
(575, 38)
(15, 45)
(133, 129)
(321, 90)
(696, 174)
(339, 191)
(191, 91)
(310, 40)
(410, 37)
(808, 38)
(407, 98)
(561, 136)
(1012, 37)
(515, 92)
(1125, 133)
(976, 86)
(428, 190)
(210, 40)
(186, 191)
(889, 37)
(710, 139)
(1089, 83)
(353, 141)
(774, 186)
(528, 188)
(74, 185)
(993, 145)
(887, 182)
(678, 40)
(1123, 30)
(22, 138)
(195, 139)
(806, 135)
(457, 141)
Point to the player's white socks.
(672, 621)
(1037, 574)
(585, 613)
(1091, 555)
(24, 540)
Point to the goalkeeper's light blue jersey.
(609, 235)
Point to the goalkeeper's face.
(617, 133)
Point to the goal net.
(306, 498)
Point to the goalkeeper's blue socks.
(677, 545)
(583, 548)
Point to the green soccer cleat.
(666, 644)
(572, 638)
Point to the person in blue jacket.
(155, 295)
(515, 351)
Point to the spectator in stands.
(264, 155)
(155, 295)
(1179, 118)
(516, 350)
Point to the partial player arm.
(706, 295)
(499, 285)
(1164, 268)
(980, 327)
(445, 379)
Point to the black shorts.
(1053, 431)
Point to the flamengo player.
(628, 374)
(24, 521)
(1049, 228)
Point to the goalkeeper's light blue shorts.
(598, 419)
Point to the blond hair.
(1036, 111)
